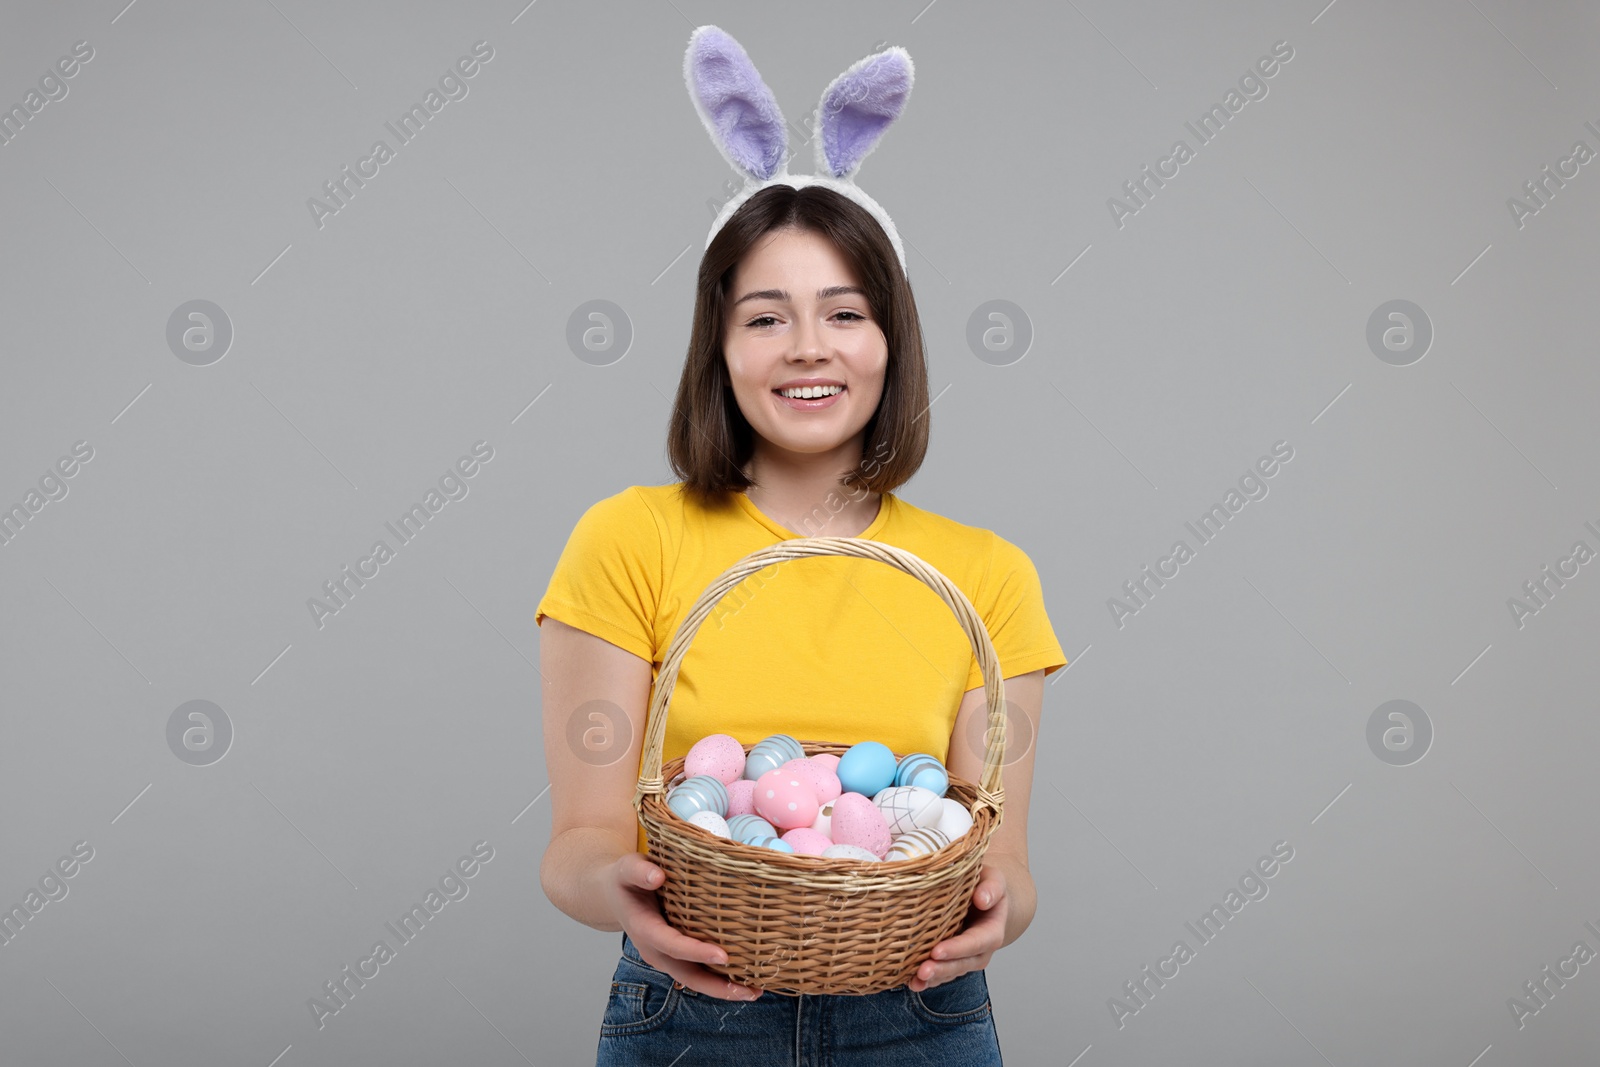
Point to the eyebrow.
(783, 294)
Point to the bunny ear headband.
(742, 116)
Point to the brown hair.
(709, 440)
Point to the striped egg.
(923, 770)
(745, 827)
(770, 753)
(776, 844)
(699, 793)
(916, 843)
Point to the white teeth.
(811, 392)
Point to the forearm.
(573, 871)
(1023, 897)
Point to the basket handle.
(990, 791)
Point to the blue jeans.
(649, 1022)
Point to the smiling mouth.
(820, 392)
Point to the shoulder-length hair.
(709, 440)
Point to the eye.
(758, 320)
(853, 315)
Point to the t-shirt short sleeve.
(1014, 614)
(608, 579)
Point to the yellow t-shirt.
(833, 648)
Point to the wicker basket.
(794, 924)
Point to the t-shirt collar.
(885, 502)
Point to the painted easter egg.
(848, 852)
(921, 769)
(744, 827)
(770, 753)
(866, 768)
(719, 755)
(823, 782)
(712, 822)
(807, 841)
(908, 807)
(741, 798)
(699, 793)
(916, 843)
(824, 820)
(777, 844)
(785, 800)
(826, 759)
(857, 821)
(954, 820)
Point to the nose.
(807, 340)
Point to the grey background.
(369, 355)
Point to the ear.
(737, 108)
(858, 106)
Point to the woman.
(801, 287)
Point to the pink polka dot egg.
(785, 799)
(823, 782)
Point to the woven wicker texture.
(794, 924)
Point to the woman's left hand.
(983, 933)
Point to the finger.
(930, 975)
(649, 930)
(983, 934)
(701, 980)
(638, 871)
(990, 890)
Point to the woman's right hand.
(630, 884)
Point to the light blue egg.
(919, 768)
(777, 844)
(770, 753)
(697, 794)
(745, 828)
(866, 768)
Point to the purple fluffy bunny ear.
(858, 106)
(738, 109)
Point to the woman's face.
(796, 312)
